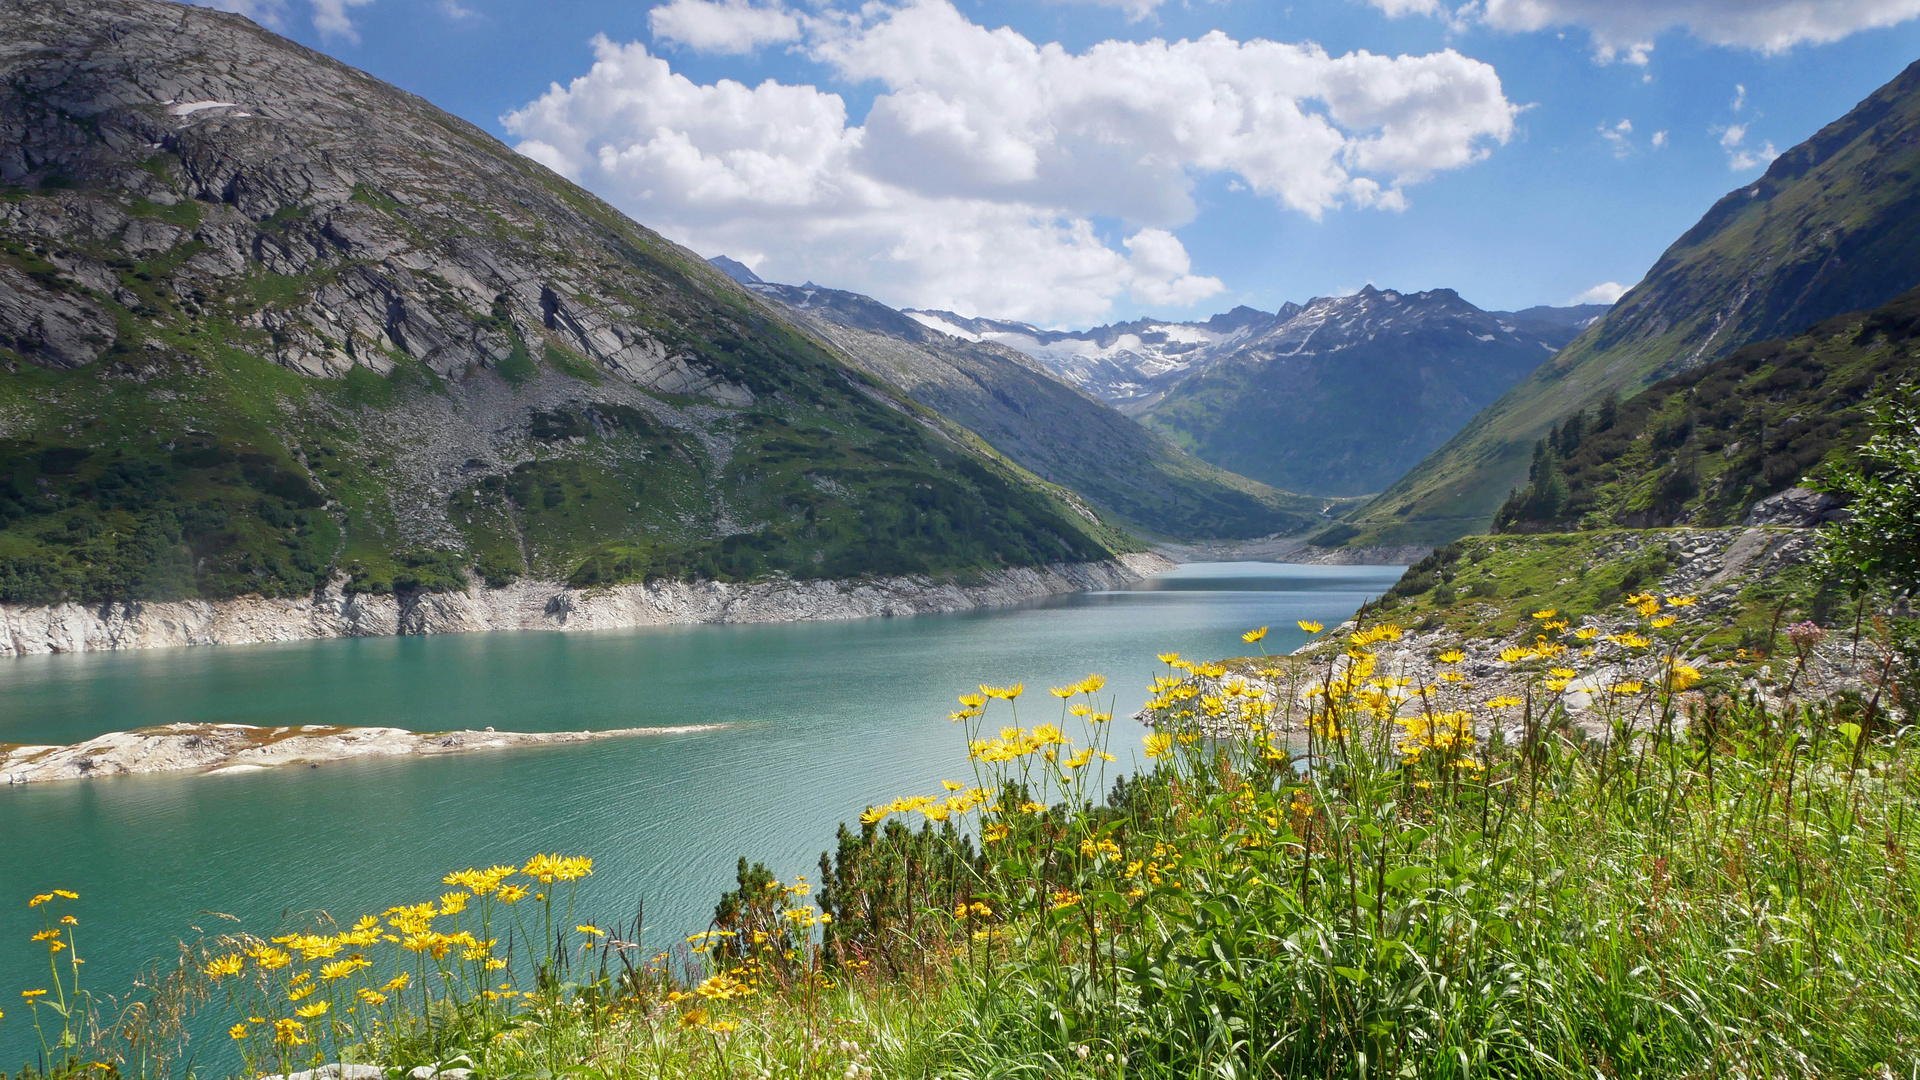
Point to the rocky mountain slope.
(1726, 442)
(1128, 365)
(1060, 433)
(1833, 227)
(1349, 392)
(267, 322)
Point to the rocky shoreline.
(1713, 564)
(233, 748)
(536, 605)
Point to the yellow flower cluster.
(1014, 743)
(934, 807)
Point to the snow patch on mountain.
(1132, 365)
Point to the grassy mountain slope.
(1049, 427)
(265, 319)
(1701, 447)
(1833, 227)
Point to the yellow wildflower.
(1158, 744)
(1309, 626)
(225, 965)
(1252, 636)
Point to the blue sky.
(1512, 182)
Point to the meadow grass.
(1327, 870)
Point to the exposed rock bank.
(226, 748)
(536, 605)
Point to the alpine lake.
(816, 720)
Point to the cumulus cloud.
(722, 26)
(1606, 292)
(977, 175)
(1626, 29)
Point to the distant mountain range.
(1024, 411)
(1832, 227)
(1337, 397)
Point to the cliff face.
(266, 321)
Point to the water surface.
(822, 720)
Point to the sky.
(1073, 162)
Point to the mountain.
(1335, 398)
(1708, 446)
(1832, 227)
(1058, 432)
(736, 270)
(1128, 365)
(1348, 392)
(265, 320)
(1575, 317)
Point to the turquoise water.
(822, 720)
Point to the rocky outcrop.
(227, 748)
(536, 605)
(1797, 506)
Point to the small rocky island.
(230, 748)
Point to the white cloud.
(1659, 139)
(1604, 293)
(975, 178)
(1616, 136)
(1625, 30)
(1739, 97)
(1747, 160)
(722, 26)
(1741, 157)
(265, 12)
(330, 18)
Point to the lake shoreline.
(216, 749)
(537, 605)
